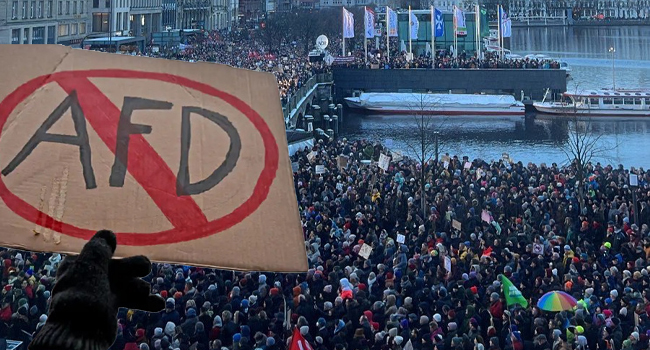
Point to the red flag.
(298, 342)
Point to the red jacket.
(496, 309)
(5, 314)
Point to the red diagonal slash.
(145, 165)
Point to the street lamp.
(612, 50)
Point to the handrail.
(303, 91)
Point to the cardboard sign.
(320, 169)
(384, 161)
(187, 163)
(397, 156)
(448, 264)
(401, 238)
(311, 156)
(456, 224)
(342, 162)
(365, 251)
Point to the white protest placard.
(446, 165)
(397, 156)
(384, 161)
(320, 169)
(634, 180)
(401, 238)
(448, 264)
(365, 251)
(467, 165)
(311, 155)
(538, 249)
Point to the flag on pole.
(439, 23)
(392, 22)
(506, 24)
(415, 26)
(369, 20)
(348, 24)
(298, 342)
(513, 295)
(459, 20)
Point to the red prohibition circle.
(174, 235)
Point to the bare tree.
(425, 146)
(583, 145)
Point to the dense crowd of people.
(293, 68)
(524, 221)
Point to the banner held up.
(176, 159)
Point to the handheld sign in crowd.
(384, 162)
(365, 251)
(401, 238)
(187, 163)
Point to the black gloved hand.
(89, 290)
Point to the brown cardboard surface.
(91, 166)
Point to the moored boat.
(441, 104)
(604, 102)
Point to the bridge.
(300, 103)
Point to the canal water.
(538, 140)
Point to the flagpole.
(455, 32)
(477, 28)
(343, 8)
(499, 29)
(387, 35)
(433, 38)
(410, 30)
(365, 34)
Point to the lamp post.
(612, 50)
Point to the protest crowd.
(292, 66)
(434, 279)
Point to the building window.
(15, 36)
(73, 29)
(38, 35)
(108, 3)
(60, 7)
(82, 7)
(100, 22)
(50, 6)
(39, 10)
(14, 10)
(95, 4)
(67, 7)
(51, 34)
(82, 28)
(63, 29)
(74, 8)
(24, 10)
(32, 9)
(25, 36)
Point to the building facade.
(111, 17)
(64, 22)
(145, 17)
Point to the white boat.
(441, 104)
(604, 102)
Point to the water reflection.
(586, 50)
(536, 140)
(528, 140)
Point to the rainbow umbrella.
(556, 301)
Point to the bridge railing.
(294, 101)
